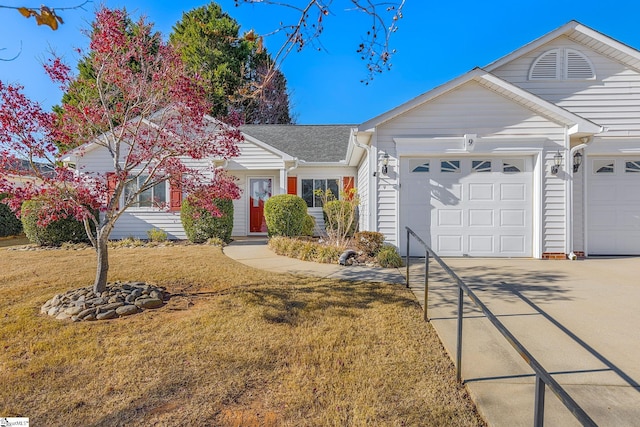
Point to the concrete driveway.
(579, 319)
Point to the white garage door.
(470, 206)
(613, 206)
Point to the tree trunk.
(102, 269)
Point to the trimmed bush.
(368, 242)
(389, 257)
(10, 225)
(200, 226)
(55, 233)
(286, 215)
(309, 225)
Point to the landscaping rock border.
(118, 300)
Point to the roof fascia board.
(479, 74)
(369, 125)
(566, 29)
(580, 124)
(532, 45)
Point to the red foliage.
(155, 116)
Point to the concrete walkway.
(579, 319)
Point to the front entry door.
(260, 189)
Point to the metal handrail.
(542, 376)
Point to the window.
(632, 166)
(155, 196)
(419, 165)
(310, 186)
(481, 166)
(603, 166)
(562, 64)
(450, 166)
(513, 165)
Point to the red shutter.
(292, 185)
(112, 182)
(175, 196)
(347, 186)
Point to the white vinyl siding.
(612, 99)
(362, 185)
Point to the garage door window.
(603, 166)
(632, 166)
(481, 166)
(419, 166)
(450, 166)
(513, 165)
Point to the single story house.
(534, 155)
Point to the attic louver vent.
(578, 66)
(560, 64)
(545, 67)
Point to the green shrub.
(55, 233)
(368, 242)
(10, 225)
(389, 257)
(285, 215)
(309, 225)
(157, 235)
(200, 226)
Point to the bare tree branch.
(374, 48)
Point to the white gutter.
(587, 140)
(296, 163)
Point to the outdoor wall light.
(557, 161)
(385, 163)
(577, 161)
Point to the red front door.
(260, 191)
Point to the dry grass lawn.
(234, 347)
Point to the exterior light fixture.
(385, 163)
(577, 161)
(557, 161)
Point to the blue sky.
(436, 42)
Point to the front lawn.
(233, 347)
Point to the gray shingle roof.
(311, 143)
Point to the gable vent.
(546, 66)
(562, 64)
(578, 66)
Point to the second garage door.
(613, 206)
(470, 206)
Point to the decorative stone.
(118, 299)
(111, 306)
(72, 311)
(106, 315)
(127, 310)
(62, 316)
(149, 303)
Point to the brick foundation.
(554, 255)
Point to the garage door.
(613, 206)
(470, 206)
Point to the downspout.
(367, 148)
(586, 140)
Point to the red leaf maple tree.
(147, 114)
